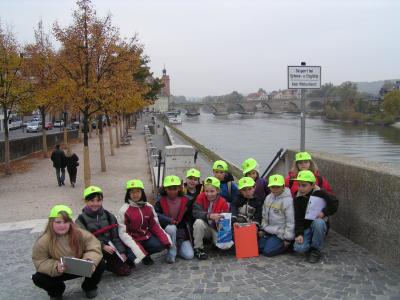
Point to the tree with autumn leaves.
(95, 72)
(14, 88)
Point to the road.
(21, 133)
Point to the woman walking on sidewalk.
(72, 165)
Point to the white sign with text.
(304, 77)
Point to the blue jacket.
(224, 188)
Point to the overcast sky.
(215, 47)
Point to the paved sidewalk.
(30, 195)
(347, 272)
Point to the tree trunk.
(44, 138)
(101, 140)
(110, 136)
(80, 129)
(86, 158)
(90, 130)
(116, 131)
(121, 127)
(65, 132)
(6, 144)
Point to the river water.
(237, 137)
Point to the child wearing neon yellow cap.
(251, 168)
(63, 238)
(312, 207)
(228, 188)
(192, 187)
(277, 227)
(302, 162)
(139, 228)
(104, 226)
(175, 215)
(246, 207)
(207, 211)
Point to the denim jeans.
(271, 245)
(313, 237)
(182, 247)
(60, 178)
(152, 245)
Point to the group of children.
(183, 216)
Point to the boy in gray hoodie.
(277, 227)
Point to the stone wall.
(25, 146)
(369, 201)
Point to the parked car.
(34, 126)
(59, 123)
(75, 125)
(48, 125)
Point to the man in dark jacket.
(312, 207)
(59, 163)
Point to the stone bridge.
(250, 107)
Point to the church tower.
(165, 91)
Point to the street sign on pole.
(303, 77)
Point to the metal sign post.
(303, 122)
(303, 77)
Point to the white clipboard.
(116, 250)
(314, 207)
(76, 266)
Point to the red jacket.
(138, 224)
(292, 184)
(200, 208)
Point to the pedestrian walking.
(58, 159)
(72, 163)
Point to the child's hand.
(261, 234)
(60, 267)
(215, 217)
(124, 257)
(174, 222)
(321, 215)
(109, 249)
(286, 244)
(299, 239)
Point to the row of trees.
(354, 107)
(94, 73)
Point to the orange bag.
(245, 240)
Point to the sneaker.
(131, 264)
(169, 259)
(91, 294)
(314, 256)
(148, 261)
(200, 254)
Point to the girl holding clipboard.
(62, 238)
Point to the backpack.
(229, 186)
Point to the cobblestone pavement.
(347, 272)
